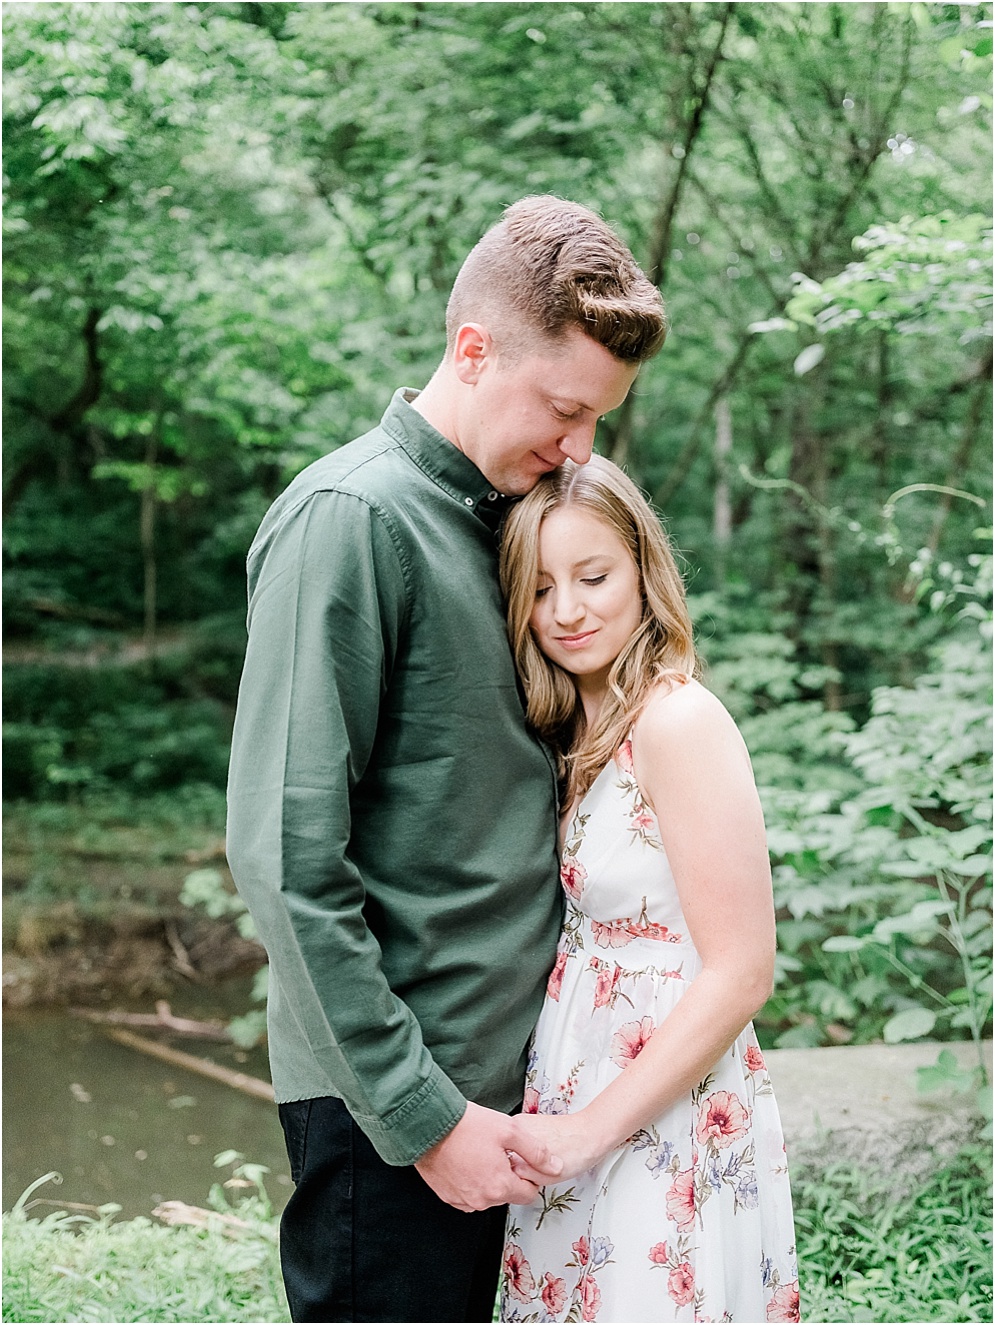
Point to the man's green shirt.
(392, 824)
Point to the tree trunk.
(958, 465)
(722, 506)
(148, 522)
(658, 258)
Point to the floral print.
(668, 1226)
(681, 1207)
(722, 1120)
(784, 1305)
(628, 1043)
(518, 1281)
(572, 876)
(617, 933)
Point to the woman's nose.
(567, 608)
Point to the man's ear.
(472, 349)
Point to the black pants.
(361, 1240)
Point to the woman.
(645, 1075)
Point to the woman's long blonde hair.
(662, 644)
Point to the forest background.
(229, 234)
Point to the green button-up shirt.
(391, 822)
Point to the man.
(392, 823)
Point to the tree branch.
(660, 243)
(689, 451)
(88, 393)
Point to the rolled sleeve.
(328, 600)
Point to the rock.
(860, 1104)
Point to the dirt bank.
(57, 955)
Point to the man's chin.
(517, 485)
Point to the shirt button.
(492, 496)
(467, 501)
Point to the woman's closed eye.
(595, 579)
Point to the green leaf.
(810, 356)
(912, 1024)
(845, 943)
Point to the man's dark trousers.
(361, 1240)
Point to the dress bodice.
(615, 870)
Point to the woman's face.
(588, 600)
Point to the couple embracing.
(475, 785)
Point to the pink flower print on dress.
(612, 933)
(659, 1254)
(582, 1250)
(608, 977)
(530, 1101)
(680, 1284)
(554, 1294)
(784, 1305)
(555, 981)
(573, 876)
(722, 1120)
(617, 933)
(680, 1200)
(629, 1042)
(641, 820)
(590, 1298)
(650, 929)
(754, 1059)
(624, 758)
(518, 1276)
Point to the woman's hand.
(570, 1136)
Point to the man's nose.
(578, 443)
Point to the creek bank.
(58, 954)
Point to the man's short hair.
(549, 266)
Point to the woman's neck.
(592, 691)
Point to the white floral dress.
(689, 1220)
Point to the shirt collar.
(443, 461)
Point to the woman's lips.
(575, 641)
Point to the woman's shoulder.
(684, 715)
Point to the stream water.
(120, 1126)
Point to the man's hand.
(471, 1170)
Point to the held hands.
(570, 1136)
(472, 1167)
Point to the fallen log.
(262, 1090)
(162, 1019)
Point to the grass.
(71, 1267)
(864, 1256)
(109, 845)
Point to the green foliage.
(928, 275)
(866, 1256)
(887, 890)
(78, 1267)
(103, 727)
(206, 888)
(231, 229)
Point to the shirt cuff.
(415, 1126)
